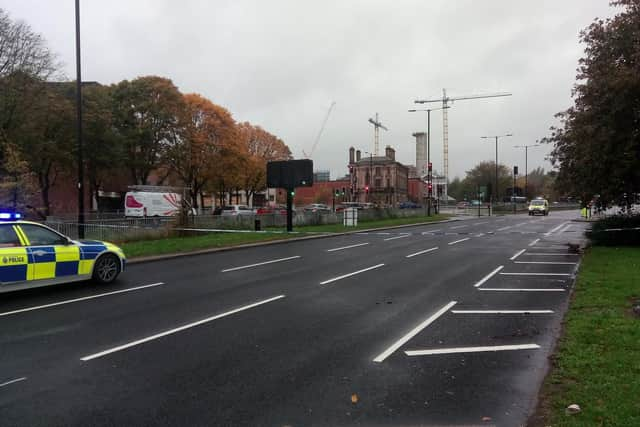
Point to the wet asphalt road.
(444, 324)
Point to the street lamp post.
(429, 172)
(79, 128)
(526, 173)
(496, 138)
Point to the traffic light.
(344, 190)
(430, 166)
(366, 188)
(293, 193)
(515, 170)
(337, 192)
(430, 187)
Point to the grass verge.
(172, 245)
(597, 363)
(218, 240)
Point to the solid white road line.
(545, 262)
(502, 311)
(179, 329)
(518, 225)
(504, 228)
(69, 301)
(471, 349)
(397, 237)
(522, 289)
(554, 229)
(350, 274)
(488, 276)
(480, 235)
(534, 242)
(459, 226)
(346, 247)
(431, 231)
(551, 254)
(13, 381)
(535, 274)
(458, 241)
(517, 254)
(396, 345)
(422, 252)
(480, 223)
(260, 263)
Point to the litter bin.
(256, 225)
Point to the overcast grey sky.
(280, 63)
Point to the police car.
(34, 255)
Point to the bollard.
(256, 225)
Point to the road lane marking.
(396, 237)
(432, 231)
(504, 228)
(458, 241)
(383, 234)
(459, 226)
(54, 304)
(480, 223)
(396, 345)
(260, 263)
(517, 254)
(518, 225)
(178, 329)
(546, 262)
(422, 252)
(553, 230)
(488, 276)
(535, 274)
(479, 235)
(471, 349)
(550, 254)
(500, 220)
(17, 380)
(502, 311)
(346, 247)
(522, 289)
(350, 274)
(534, 242)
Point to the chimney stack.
(357, 155)
(390, 153)
(351, 154)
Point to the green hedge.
(618, 230)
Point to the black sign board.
(290, 174)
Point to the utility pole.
(526, 173)
(496, 183)
(79, 128)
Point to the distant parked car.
(217, 210)
(270, 210)
(317, 207)
(236, 210)
(463, 204)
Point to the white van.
(147, 203)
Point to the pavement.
(441, 324)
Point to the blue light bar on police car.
(4, 216)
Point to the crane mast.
(377, 125)
(317, 140)
(445, 127)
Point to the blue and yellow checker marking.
(48, 262)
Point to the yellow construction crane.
(445, 125)
(324, 123)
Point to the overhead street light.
(496, 137)
(429, 177)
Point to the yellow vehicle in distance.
(34, 255)
(539, 206)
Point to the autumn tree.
(207, 133)
(597, 144)
(146, 115)
(261, 147)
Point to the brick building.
(380, 180)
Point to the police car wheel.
(106, 269)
